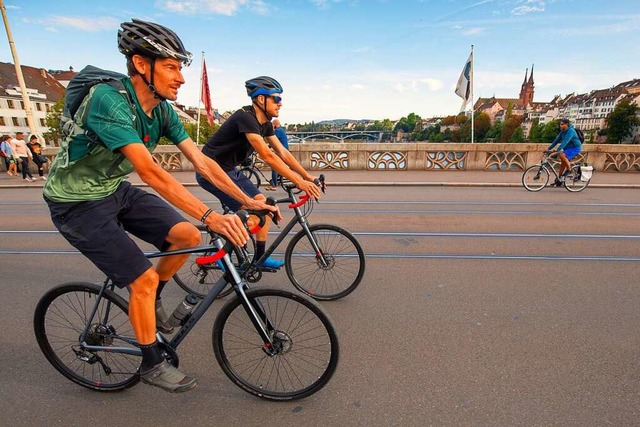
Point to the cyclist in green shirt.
(95, 208)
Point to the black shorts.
(238, 179)
(98, 229)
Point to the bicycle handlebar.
(244, 217)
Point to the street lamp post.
(23, 88)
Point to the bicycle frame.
(255, 312)
(298, 218)
(545, 163)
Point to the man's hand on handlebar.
(260, 205)
(230, 226)
(310, 188)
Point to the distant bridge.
(363, 135)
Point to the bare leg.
(142, 306)
(181, 236)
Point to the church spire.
(531, 77)
(525, 76)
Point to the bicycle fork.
(322, 260)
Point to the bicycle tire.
(304, 335)
(345, 263)
(573, 183)
(252, 175)
(59, 319)
(535, 178)
(199, 279)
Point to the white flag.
(463, 88)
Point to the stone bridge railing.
(428, 156)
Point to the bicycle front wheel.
(252, 175)
(305, 345)
(574, 182)
(61, 316)
(535, 178)
(331, 273)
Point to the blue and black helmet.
(262, 85)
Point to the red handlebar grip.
(302, 201)
(210, 259)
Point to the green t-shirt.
(83, 170)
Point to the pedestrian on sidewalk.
(36, 152)
(22, 153)
(7, 154)
(281, 134)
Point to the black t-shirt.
(229, 146)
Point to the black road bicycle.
(271, 343)
(536, 177)
(323, 261)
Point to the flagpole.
(199, 100)
(471, 74)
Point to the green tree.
(510, 125)
(517, 135)
(52, 120)
(550, 131)
(408, 124)
(537, 129)
(481, 125)
(495, 131)
(206, 132)
(621, 121)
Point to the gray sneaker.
(162, 320)
(168, 378)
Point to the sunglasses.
(277, 99)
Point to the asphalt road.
(479, 306)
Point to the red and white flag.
(206, 96)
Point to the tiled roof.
(63, 76)
(34, 78)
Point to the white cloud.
(528, 7)
(357, 86)
(84, 23)
(432, 84)
(324, 4)
(219, 7)
(473, 31)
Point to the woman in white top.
(23, 154)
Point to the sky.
(351, 59)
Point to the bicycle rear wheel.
(332, 273)
(304, 340)
(59, 319)
(252, 175)
(573, 182)
(535, 178)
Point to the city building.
(43, 91)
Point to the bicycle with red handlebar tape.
(274, 344)
(323, 261)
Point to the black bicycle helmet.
(151, 40)
(262, 85)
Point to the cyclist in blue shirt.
(569, 146)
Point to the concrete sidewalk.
(398, 178)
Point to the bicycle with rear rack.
(274, 344)
(537, 177)
(323, 261)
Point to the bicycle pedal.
(269, 269)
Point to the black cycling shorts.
(238, 179)
(99, 229)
